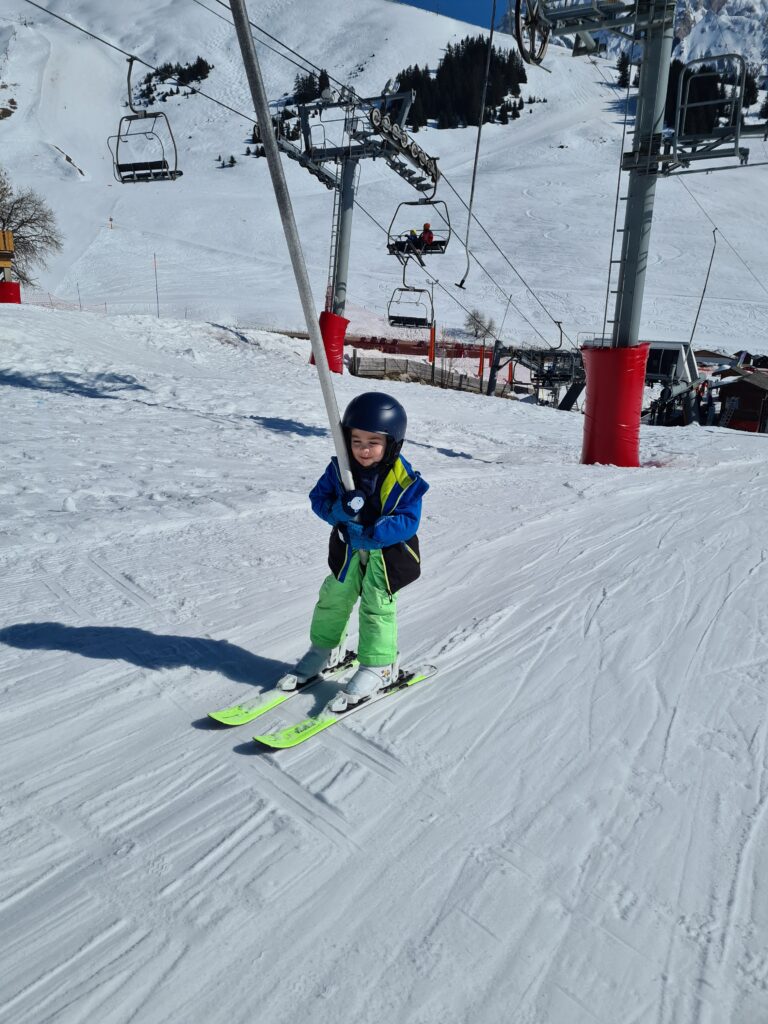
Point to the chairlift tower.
(650, 22)
(615, 393)
(336, 135)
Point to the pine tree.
(622, 66)
(451, 95)
(751, 95)
(305, 88)
(763, 114)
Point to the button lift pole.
(261, 107)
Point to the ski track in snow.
(566, 824)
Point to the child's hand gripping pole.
(350, 506)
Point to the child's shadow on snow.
(145, 649)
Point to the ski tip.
(280, 741)
(421, 673)
(268, 741)
(235, 715)
(220, 718)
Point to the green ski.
(309, 727)
(245, 712)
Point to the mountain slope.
(546, 184)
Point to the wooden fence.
(397, 368)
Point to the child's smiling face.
(367, 448)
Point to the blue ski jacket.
(398, 503)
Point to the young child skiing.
(381, 516)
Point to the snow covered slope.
(546, 184)
(723, 26)
(567, 826)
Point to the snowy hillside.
(718, 26)
(546, 183)
(566, 826)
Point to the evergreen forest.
(451, 94)
(180, 74)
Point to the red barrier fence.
(454, 350)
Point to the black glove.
(345, 509)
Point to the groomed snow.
(566, 826)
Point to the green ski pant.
(377, 643)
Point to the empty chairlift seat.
(410, 307)
(143, 148)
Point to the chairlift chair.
(400, 244)
(151, 126)
(410, 307)
(708, 125)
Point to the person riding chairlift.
(426, 238)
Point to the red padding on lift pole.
(10, 291)
(333, 328)
(615, 381)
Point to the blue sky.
(478, 12)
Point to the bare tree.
(33, 224)
(489, 330)
(474, 322)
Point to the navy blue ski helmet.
(379, 414)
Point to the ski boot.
(313, 663)
(367, 681)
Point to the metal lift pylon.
(615, 370)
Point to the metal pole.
(261, 107)
(657, 19)
(157, 291)
(344, 235)
(493, 367)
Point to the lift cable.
(302, 67)
(489, 54)
(307, 61)
(504, 256)
(472, 216)
(720, 232)
(139, 60)
(306, 65)
(449, 293)
(706, 282)
(249, 118)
